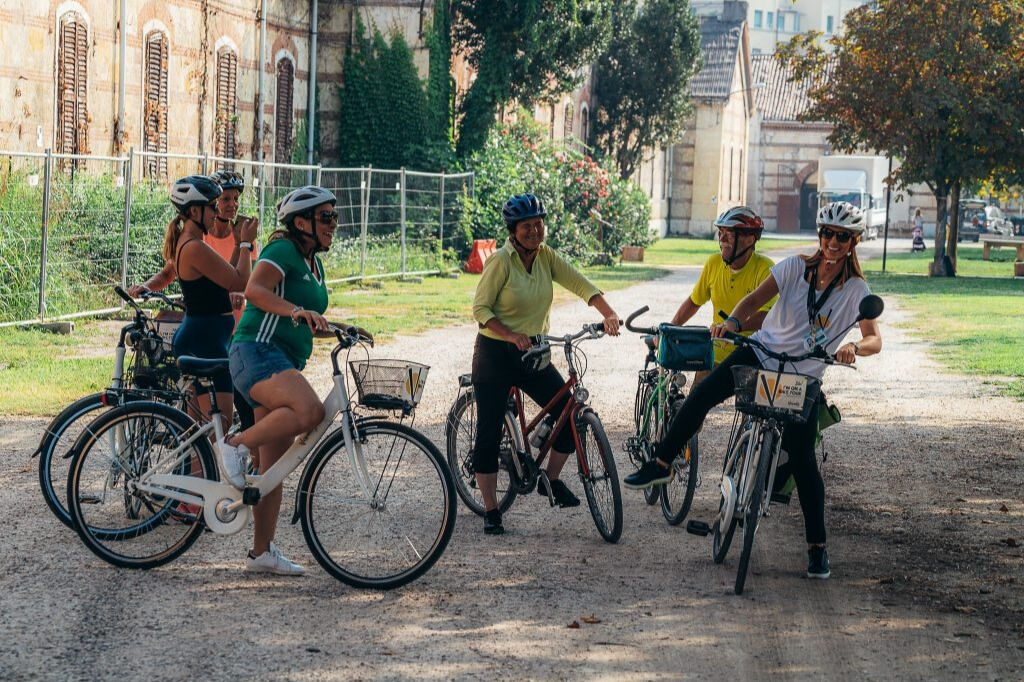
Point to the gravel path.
(927, 569)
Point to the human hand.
(237, 299)
(521, 341)
(248, 229)
(314, 320)
(137, 290)
(847, 353)
(718, 330)
(611, 324)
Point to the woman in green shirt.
(513, 303)
(286, 298)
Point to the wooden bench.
(988, 241)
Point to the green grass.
(692, 251)
(41, 372)
(968, 262)
(975, 324)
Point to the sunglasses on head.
(842, 236)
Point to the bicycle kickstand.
(542, 476)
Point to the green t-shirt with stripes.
(300, 286)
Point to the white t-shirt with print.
(786, 325)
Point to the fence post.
(127, 215)
(402, 215)
(45, 236)
(206, 163)
(261, 199)
(319, 175)
(365, 217)
(440, 231)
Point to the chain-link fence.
(73, 226)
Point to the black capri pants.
(797, 439)
(497, 367)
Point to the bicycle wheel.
(721, 539)
(677, 494)
(460, 436)
(753, 512)
(602, 485)
(649, 432)
(117, 522)
(55, 449)
(393, 538)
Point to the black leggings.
(497, 367)
(797, 439)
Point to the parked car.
(976, 219)
(1018, 224)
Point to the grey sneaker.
(272, 561)
(817, 563)
(234, 461)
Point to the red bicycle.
(518, 468)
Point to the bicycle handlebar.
(639, 330)
(150, 295)
(348, 335)
(819, 354)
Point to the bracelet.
(856, 348)
(739, 327)
(245, 245)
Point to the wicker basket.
(389, 384)
(746, 390)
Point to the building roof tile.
(780, 99)
(719, 42)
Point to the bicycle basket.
(773, 395)
(389, 384)
(685, 348)
(152, 367)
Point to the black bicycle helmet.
(522, 207)
(228, 179)
(194, 190)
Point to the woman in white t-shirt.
(802, 318)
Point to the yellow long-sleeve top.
(521, 300)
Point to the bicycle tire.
(721, 540)
(110, 543)
(753, 516)
(655, 422)
(459, 439)
(340, 555)
(684, 481)
(55, 449)
(602, 469)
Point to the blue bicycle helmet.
(194, 190)
(522, 207)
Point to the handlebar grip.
(123, 294)
(737, 339)
(635, 314)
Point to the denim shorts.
(253, 362)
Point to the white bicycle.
(144, 480)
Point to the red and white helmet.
(740, 218)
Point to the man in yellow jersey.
(729, 276)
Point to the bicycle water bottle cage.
(685, 348)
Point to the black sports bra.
(203, 296)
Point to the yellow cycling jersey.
(725, 288)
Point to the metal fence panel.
(22, 181)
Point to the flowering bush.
(518, 157)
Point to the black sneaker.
(492, 523)
(560, 492)
(817, 563)
(651, 473)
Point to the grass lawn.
(968, 262)
(692, 251)
(42, 372)
(976, 325)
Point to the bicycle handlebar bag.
(685, 348)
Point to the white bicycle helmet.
(740, 218)
(303, 200)
(194, 190)
(841, 214)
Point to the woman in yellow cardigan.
(513, 303)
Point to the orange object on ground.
(482, 250)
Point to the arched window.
(72, 128)
(567, 132)
(284, 115)
(226, 125)
(154, 139)
(584, 125)
(551, 123)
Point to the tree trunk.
(953, 230)
(941, 266)
(480, 107)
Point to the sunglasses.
(842, 236)
(739, 232)
(327, 216)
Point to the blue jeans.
(252, 362)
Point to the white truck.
(858, 180)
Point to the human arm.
(245, 230)
(686, 310)
(611, 318)
(749, 306)
(157, 282)
(260, 293)
(206, 262)
(870, 343)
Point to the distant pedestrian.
(918, 221)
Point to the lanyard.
(814, 307)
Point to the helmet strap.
(519, 246)
(736, 256)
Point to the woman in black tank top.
(205, 280)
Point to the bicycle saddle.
(201, 367)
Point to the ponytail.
(174, 229)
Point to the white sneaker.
(272, 561)
(235, 462)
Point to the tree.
(643, 79)
(934, 83)
(526, 51)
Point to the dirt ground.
(924, 512)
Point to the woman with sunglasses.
(819, 298)
(286, 300)
(206, 281)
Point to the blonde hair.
(171, 236)
(851, 268)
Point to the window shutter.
(283, 111)
(72, 87)
(569, 112)
(155, 103)
(227, 79)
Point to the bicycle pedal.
(700, 528)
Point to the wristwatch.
(245, 245)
